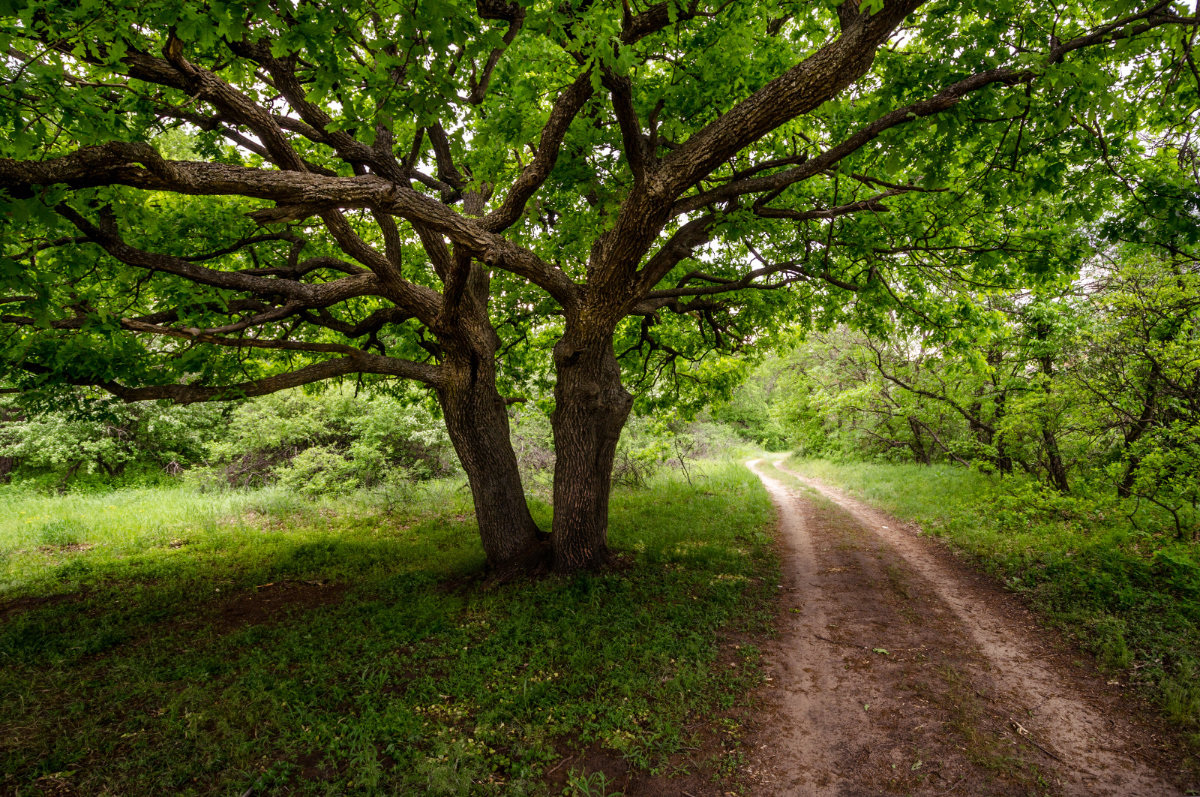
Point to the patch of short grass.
(140, 666)
(1130, 595)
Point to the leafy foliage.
(104, 441)
(1096, 383)
(331, 442)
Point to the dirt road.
(899, 670)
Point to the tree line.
(1091, 387)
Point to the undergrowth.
(170, 642)
(1128, 594)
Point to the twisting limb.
(358, 363)
(568, 105)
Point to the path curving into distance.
(899, 670)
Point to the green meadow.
(176, 641)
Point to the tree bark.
(591, 407)
(477, 420)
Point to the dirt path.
(897, 670)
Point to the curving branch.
(139, 166)
(942, 101)
(568, 105)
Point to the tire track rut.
(891, 674)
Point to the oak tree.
(212, 200)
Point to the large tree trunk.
(591, 407)
(477, 420)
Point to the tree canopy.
(221, 199)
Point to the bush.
(332, 442)
(100, 441)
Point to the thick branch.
(565, 109)
(301, 195)
(203, 84)
(942, 101)
(814, 80)
(636, 150)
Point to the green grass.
(1130, 595)
(154, 661)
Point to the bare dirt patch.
(689, 776)
(12, 608)
(897, 672)
(270, 603)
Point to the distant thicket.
(329, 442)
(1089, 388)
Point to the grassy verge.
(163, 641)
(1130, 596)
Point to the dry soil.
(899, 670)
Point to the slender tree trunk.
(918, 444)
(8, 464)
(1003, 460)
(1125, 487)
(995, 437)
(1134, 433)
(591, 407)
(1055, 467)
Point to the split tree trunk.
(477, 420)
(591, 407)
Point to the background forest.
(1090, 389)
